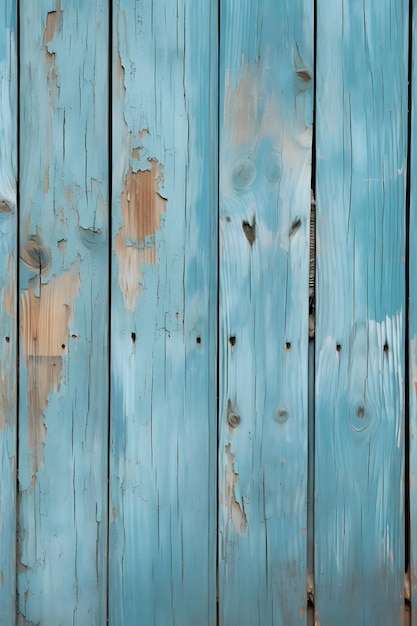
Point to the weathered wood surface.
(8, 262)
(63, 420)
(266, 103)
(361, 126)
(162, 547)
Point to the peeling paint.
(45, 325)
(236, 510)
(142, 206)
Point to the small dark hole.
(338, 347)
(198, 340)
(134, 337)
(232, 341)
(74, 337)
(7, 339)
(385, 347)
(63, 346)
(288, 346)
(228, 219)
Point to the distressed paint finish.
(63, 417)
(361, 125)
(163, 376)
(8, 256)
(266, 96)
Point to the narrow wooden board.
(361, 126)
(64, 249)
(266, 77)
(8, 327)
(164, 309)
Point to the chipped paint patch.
(45, 325)
(236, 511)
(142, 207)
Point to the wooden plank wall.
(166, 412)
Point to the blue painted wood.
(63, 420)
(266, 94)
(8, 259)
(163, 376)
(361, 125)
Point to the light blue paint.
(361, 124)
(163, 367)
(63, 499)
(265, 175)
(8, 168)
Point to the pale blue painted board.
(266, 77)
(8, 262)
(361, 126)
(412, 329)
(164, 308)
(64, 247)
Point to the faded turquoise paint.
(163, 376)
(266, 100)
(63, 312)
(8, 168)
(361, 125)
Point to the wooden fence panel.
(266, 102)
(361, 125)
(163, 375)
(8, 261)
(63, 420)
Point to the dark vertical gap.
(17, 356)
(218, 83)
(312, 356)
(407, 510)
(110, 237)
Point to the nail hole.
(198, 340)
(134, 337)
(338, 347)
(63, 346)
(228, 219)
(385, 347)
(74, 336)
(232, 341)
(288, 346)
(7, 339)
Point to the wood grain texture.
(163, 375)
(412, 318)
(361, 125)
(266, 96)
(64, 275)
(8, 327)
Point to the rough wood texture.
(63, 312)
(8, 259)
(361, 125)
(163, 375)
(266, 97)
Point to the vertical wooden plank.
(360, 191)
(412, 319)
(163, 375)
(63, 312)
(8, 256)
(265, 175)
